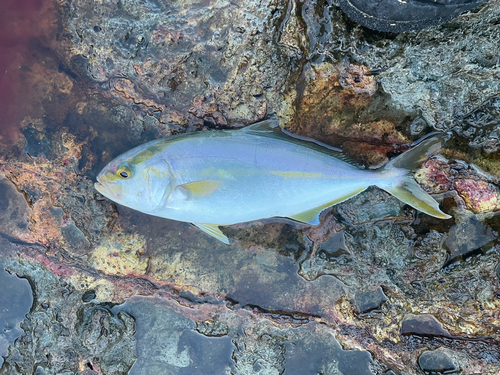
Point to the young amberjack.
(214, 178)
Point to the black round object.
(405, 15)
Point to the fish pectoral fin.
(312, 216)
(199, 189)
(213, 230)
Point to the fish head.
(143, 185)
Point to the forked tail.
(408, 190)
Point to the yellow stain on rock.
(121, 254)
(104, 289)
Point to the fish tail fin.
(408, 190)
(424, 149)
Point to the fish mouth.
(112, 192)
(99, 187)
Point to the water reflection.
(167, 342)
(16, 299)
(22, 22)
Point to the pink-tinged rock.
(434, 176)
(479, 196)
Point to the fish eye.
(124, 172)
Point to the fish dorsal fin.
(213, 230)
(266, 126)
(312, 216)
(199, 189)
(271, 129)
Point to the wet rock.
(422, 325)
(430, 78)
(435, 176)
(88, 296)
(423, 73)
(306, 356)
(331, 98)
(481, 126)
(187, 61)
(16, 300)
(14, 211)
(212, 328)
(370, 300)
(106, 339)
(479, 196)
(327, 258)
(370, 206)
(61, 337)
(37, 142)
(473, 188)
(467, 237)
(264, 352)
(436, 362)
(74, 239)
(167, 342)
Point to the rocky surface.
(376, 288)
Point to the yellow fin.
(214, 231)
(412, 194)
(200, 189)
(312, 216)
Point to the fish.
(224, 177)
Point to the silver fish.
(215, 178)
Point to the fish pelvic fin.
(408, 190)
(412, 194)
(213, 230)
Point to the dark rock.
(168, 341)
(482, 125)
(88, 296)
(437, 362)
(60, 335)
(467, 237)
(370, 300)
(422, 325)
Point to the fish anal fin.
(200, 189)
(213, 230)
(412, 194)
(311, 216)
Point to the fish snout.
(111, 191)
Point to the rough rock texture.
(376, 288)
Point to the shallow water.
(376, 288)
(16, 300)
